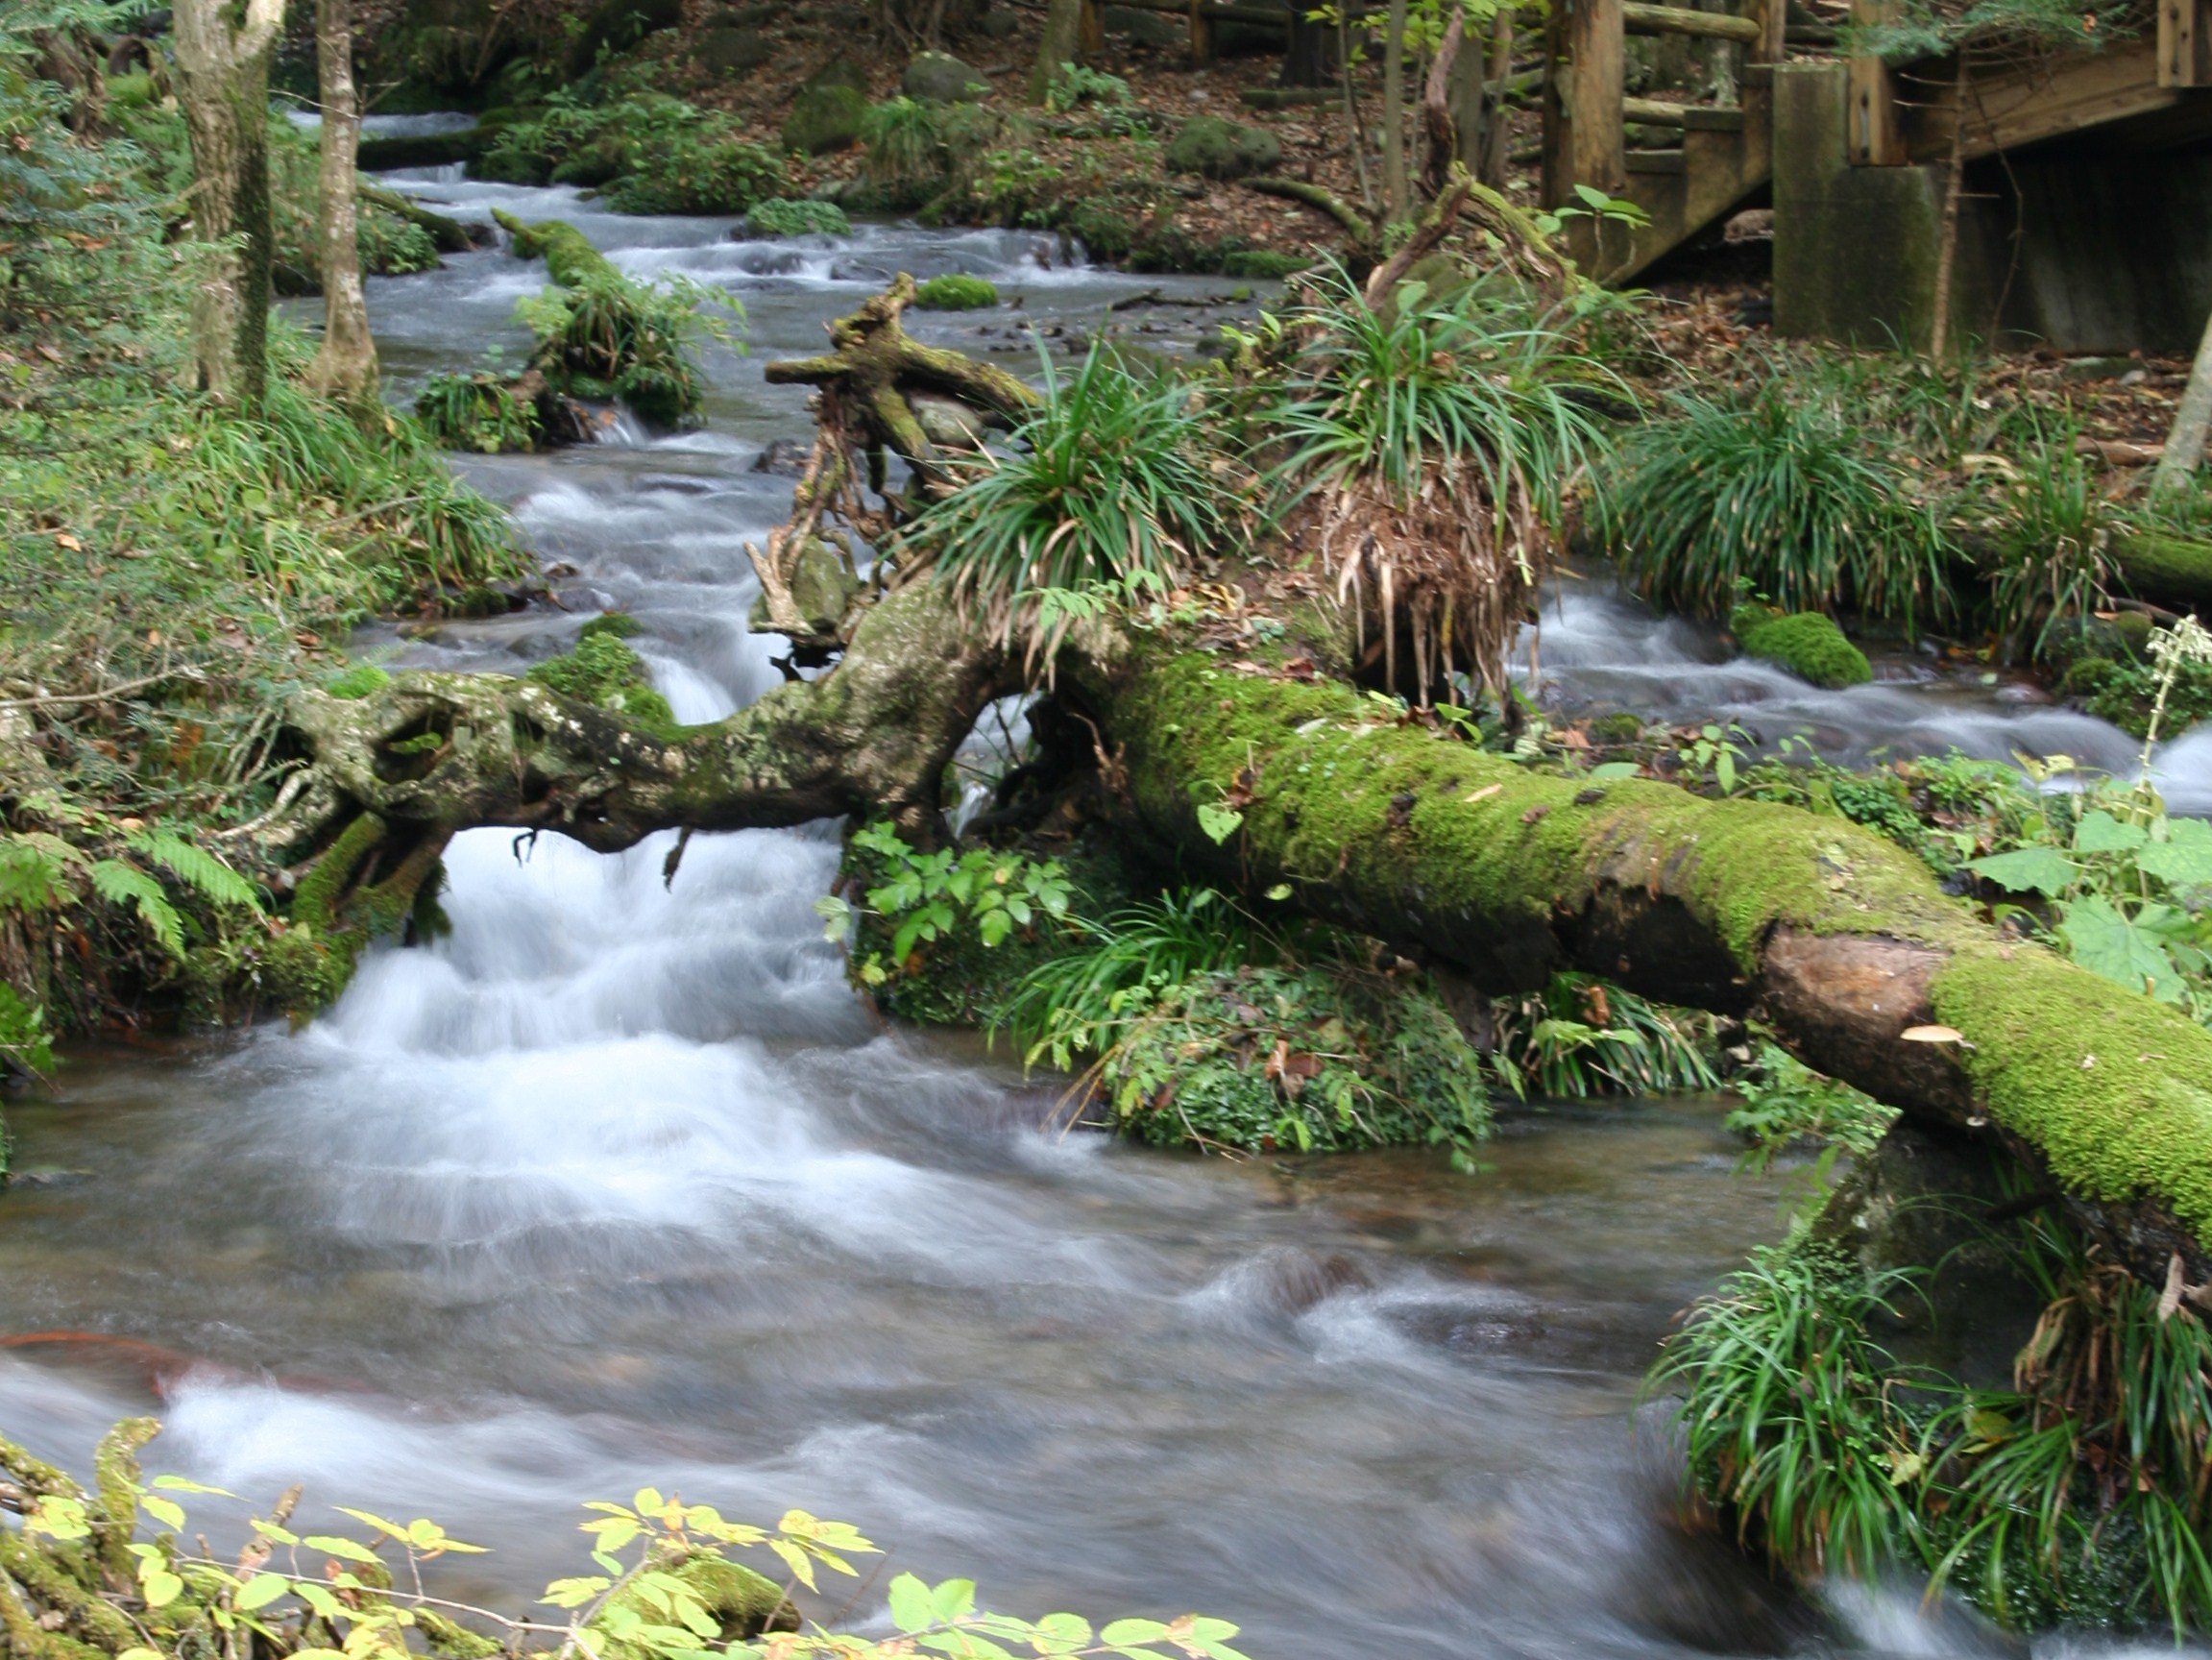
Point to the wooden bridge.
(1895, 117)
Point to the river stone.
(824, 119)
(940, 77)
(948, 423)
(1145, 28)
(1217, 149)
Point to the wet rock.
(822, 588)
(786, 458)
(949, 423)
(940, 78)
(1213, 148)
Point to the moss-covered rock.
(824, 119)
(729, 53)
(784, 217)
(1263, 263)
(1805, 643)
(940, 77)
(1213, 148)
(956, 292)
(822, 588)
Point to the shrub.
(1114, 481)
(956, 292)
(648, 154)
(1778, 492)
(1785, 1102)
(782, 217)
(478, 412)
(905, 147)
(609, 337)
(1807, 643)
(1442, 488)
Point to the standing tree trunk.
(1397, 194)
(223, 84)
(346, 366)
(1061, 43)
(2192, 425)
(1946, 252)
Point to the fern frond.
(116, 882)
(36, 871)
(197, 868)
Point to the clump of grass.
(1116, 480)
(905, 148)
(1776, 490)
(1438, 442)
(1199, 1026)
(480, 412)
(1582, 1036)
(956, 292)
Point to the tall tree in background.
(1062, 43)
(1397, 188)
(223, 84)
(346, 366)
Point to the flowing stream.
(618, 1185)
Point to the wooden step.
(1656, 161)
(1694, 118)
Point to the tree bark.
(223, 85)
(2191, 423)
(346, 364)
(1397, 194)
(1497, 128)
(1060, 43)
(1442, 136)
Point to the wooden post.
(1558, 104)
(1598, 76)
(1872, 137)
(1092, 32)
(2184, 44)
(1201, 34)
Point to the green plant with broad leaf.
(928, 896)
(125, 1566)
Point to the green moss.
(1263, 263)
(315, 901)
(1805, 643)
(2114, 1088)
(604, 671)
(361, 680)
(783, 217)
(956, 293)
(1217, 149)
(824, 119)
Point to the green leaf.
(1125, 1631)
(344, 1549)
(2027, 871)
(178, 1484)
(954, 1599)
(197, 868)
(911, 1609)
(796, 1560)
(118, 882)
(2099, 831)
(1218, 823)
(166, 1510)
(836, 917)
(995, 926)
(2106, 944)
(2184, 858)
(1606, 772)
(259, 1592)
(574, 1593)
(160, 1587)
(1064, 1634)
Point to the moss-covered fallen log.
(1842, 941)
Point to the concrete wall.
(2114, 241)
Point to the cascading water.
(620, 1185)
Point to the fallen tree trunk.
(1842, 941)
